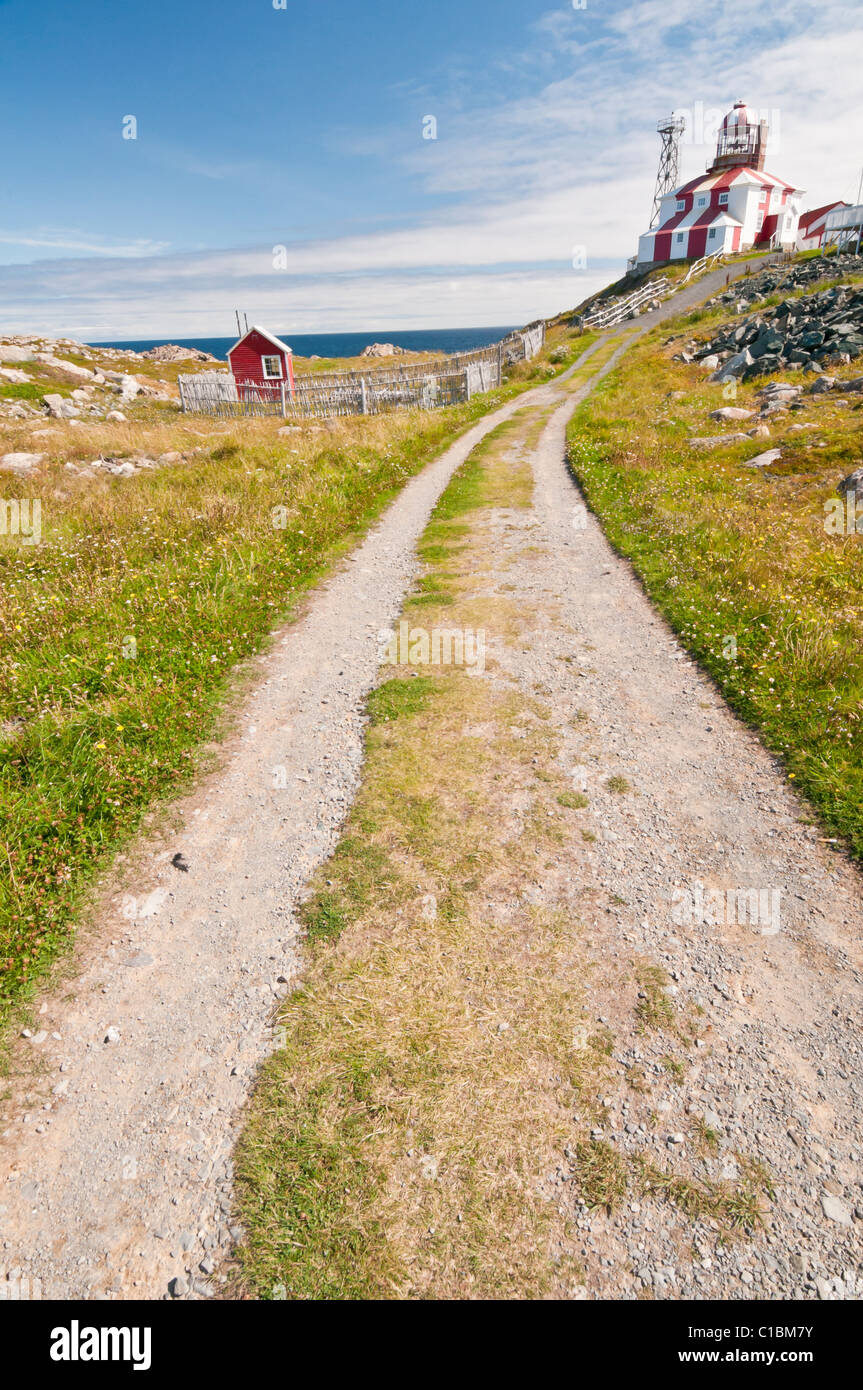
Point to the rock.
(768, 343)
(116, 416)
(172, 456)
(20, 462)
(112, 1034)
(178, 1287)
(734, 367)
(59, 407)
(781, 390)
(764, 460)
(714, 441)
(760, 432)
(711, 361)
(71, 368)
(731, 412)
(10, 353)
(171, 352)
(129, 388)
(770, 362)
(853, 483)
(382, 350)
(835, 1210)
(15, 377)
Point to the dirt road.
(115, 1168)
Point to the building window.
(272, 366)
(702, 202)
(712, 232)
(679, 236)
(723, 199)
(760, 223)
(681, 204)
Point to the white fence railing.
(369, 391)
(621, 309)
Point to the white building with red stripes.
(734, 206)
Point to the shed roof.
(270, 337)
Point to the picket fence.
(368, 391)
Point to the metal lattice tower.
(671, 129)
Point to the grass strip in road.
(428, 1129)
(396, 1147)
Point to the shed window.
(681, 204)
(723, 199)
(679, 236)
(272, 366)
(702, 202)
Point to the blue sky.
(259, 127)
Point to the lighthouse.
(734, 206)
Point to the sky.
(330, 165)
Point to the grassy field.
(122, 627)
(739, 559)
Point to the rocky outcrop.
(807, 333)
(172, 352)
(383, 350)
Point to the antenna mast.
(670, 128)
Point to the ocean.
(341, 344)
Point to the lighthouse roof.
(740, 115)
(724, 178)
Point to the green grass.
(21, 391)
(399, 697)
(575, 801)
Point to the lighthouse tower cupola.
(742, 140)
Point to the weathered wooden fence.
(364, 391)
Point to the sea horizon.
(447, 340)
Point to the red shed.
(261, 361)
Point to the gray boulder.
(734, 367)
(853, 483)
(20, 462)
(764, 460)
(10, 353)
(60, 408)
(703, 443)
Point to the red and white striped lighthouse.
(733, 206)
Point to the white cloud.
(79, 241)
